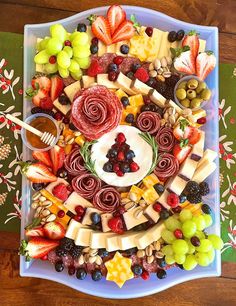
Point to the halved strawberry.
(181, 130)
(194, 136)
(205, 63)
(42, 157)
(46, 103)
(192, 40)
(101, 28)
(54, 230)
(125, 31)
(57, 87)
(115, 15)
(57, 155)
(61, 192)
(181, 152)
(36, 95)
(95, 68)
(185, 63)
(35, 232)
(41, 82)
(37, 172)
(37, 247)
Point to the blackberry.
(204, 188)
(169, 93)
(61, 252)
(171, 81)
(66, 244)
(75, 252)
(194, 198)
(192, 187)
(160, 87)
(64, 100)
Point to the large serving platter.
(136, 287)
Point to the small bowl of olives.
(192, 93)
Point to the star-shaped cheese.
(119, 269)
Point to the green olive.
(195, 103)
(182, 85)
(201, 86)
(181, 94)
(191, 94)
(206, 94)
(192, 84)
(185, 102)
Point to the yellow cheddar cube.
(135, 193)
(124, 195)
(136, 100)
(51, 198)
(80, 140)
(150, 195)
(120, 93)
(150, 180)
(132, 110)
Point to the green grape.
(176, 216)
(189, 228)
(80, 39)
(191, 248)
(169, 259)
(167, 250)
(180, 258)
(64, 73)
(51, 68)
(73, 35)
(42, 44)
(168, 236)
(202, 259)
(200, 222)
(54, 46)
(205, 246)
(58, 31)
(180, 246)
(190, 262)
(63, 59)
(68, 50)
(216, 241)
(42, 57)
(77, 75)
(172, 224)
(200, 235)
(74, 66)
(185, 215)
(211, 255)
(68, 35)
(84, 63)
(208, 220)
(81, 51)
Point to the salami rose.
(86, 185)
(149, 122)
(96, 111)
(165, 139)
(166, 166)
(107, 199)
(74, 163)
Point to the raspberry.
(134, 167)
(145, 275)
(116, 225)
(178, 234)
(60, 191)
(118, 60)
(94, 68)
(121, 156)
(46, 103)
(116, 168)
(79, 210)
(157, 207)
(120, 138)
(119, 173)
(142, 74)
(173, 200)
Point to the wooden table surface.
(15, 290)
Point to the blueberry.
(206, 209)
(130, 154)
(96, 275)
(112, 67)
(124, 167)
(81, 27)
(129, 118)
(164, 214)
(137, 269)
(159, 188)
(135, 67)
(182, 198)
(94, 49)
(124, 49)
(161, 262)
(95, 217)
(161, 274)
(81, 273)
(59, 266)
(130, 75)
(180, 35)
(125, 101)
(107, 167)
(146, 108)
(63, 100)
(172, 36)
(103, 253)
(37, 186)
(112, 153)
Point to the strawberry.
(37, 247)
(181, 152)
(37, 95)
(142, 74)
(205, 63)
(94, 68)
(192, 40)
(185, 62)
(54, 230)
(101, 28)
(35, 232)
(181, 130)
(57, 155)
(116, 225)
(61, 192)
(37, 172)
(46, 103)
(125, 31)
(41, 82)
(57, 87)
(42, 157)
(115, 15)
(194, 136)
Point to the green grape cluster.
(194, 247)
(72, 52)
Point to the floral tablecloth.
(11, 58)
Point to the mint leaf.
(183, 142)
(183, 123)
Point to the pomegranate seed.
(134, 167)
(52, 59)
(178, 234)
(119, 173)
(118, 60)
(94, 41)
(145, 275)
(157, 207)
(173, 200)
(116, 167)
(146, 100)
(120, 138)
(121, 156)
(45, 257)
(67, 43)
(79, 210)
(77, 218)
(66, 120)
(149, 31)
(176, 209)
(71, 270)
(58, 116)
(61, 213)
(201, 120)
(112, 76)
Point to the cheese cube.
(124, 83)
(104, 220)
(140, 87)
(163, 199)
(127, 241)
(74, 200)
(208, 155)
(87, 81)
(87, 216)
(150, 180)
(153, 234)
(120, 93)
(124, 195)
(188, 168)
(135, 193)
(198, 148)
(177, 185)
(98, 240)
(102, 79)
(131, 221)
(80, 140)
(204, 171)
(83, 236)
(150, 213)
(157, 98)
(112, 243)
(73, 229)
(131, 110)
(72, 89)
(64, 109)
(150, 195)
(136, 100)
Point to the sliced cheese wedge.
(163, 199)
(131, 221)
(73, 229)
(197, 151)
(72, 89)
(98, 240)
(206, 169)
(83, 236)
(209, 155)
(177, 185)
(124, 83)
(188, 168)
(127, 241)
(87, 81)
(151, 214)
(165, 46)
(64, 109)
(74, 200)
(153, 234)
(157, 98)
(87, 216)
(112, 243)
(102, 79)
(140, 87)
(104, 220)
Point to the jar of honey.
(43, 123)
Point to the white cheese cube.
(87, 216)
(127, 241)
(130, 219)
(157, 98)
(98, 240)
(102, 79)
(204, 171)
(124, 83)
(72, 229)
(209, 155)
(74, 200)
(150, 213)
(83, 236)
(112, 243)
(72, 89)
(104, 220)
(140, 87)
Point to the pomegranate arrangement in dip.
(122, 193)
